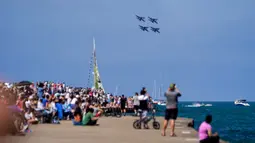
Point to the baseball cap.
(172, 85)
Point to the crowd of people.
(49, 102)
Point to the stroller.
(138, 123)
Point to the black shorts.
(122, 106)
(171, 114)
(212, 139)
(136, 107)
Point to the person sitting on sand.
(88, 118)
(77, 114)
(30, 117)
(97, 110)
(205, 132)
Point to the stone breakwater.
(110, 129)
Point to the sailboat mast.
(116, 90)
(159, 91)
(97, 81)
(155, 89)
(90, 70)
(94, 61)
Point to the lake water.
(235, 124)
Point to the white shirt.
(53, 107)
(142, 97)
(74, 101)
(83, 105)
(136, 100)
(29, 116)
(59, 88)
(28, 104)
(69, 100)
(40, 106)
(67, 95)
(118, 101)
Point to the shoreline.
(186, 121)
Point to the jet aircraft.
(144, 28)
(140, 18)
(153, 20)
(156, 30)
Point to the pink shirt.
(203, 130)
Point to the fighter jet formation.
(145, 28)
(155, 29)
(140, 18)
(153, 20)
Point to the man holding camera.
(171, 112)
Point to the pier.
(109, 130)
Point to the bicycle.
(137, 124)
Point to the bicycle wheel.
(106, 114)
(156, 125)
(118, 115)
(137, 124)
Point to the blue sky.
(206, 47)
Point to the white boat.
(154, 101)
(241, 102)
(162, 103)
(197, 104)
(159, 102)
(208, 105)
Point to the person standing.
(40, 90)
(123, 102)
(143, 99)
(171, 112)
(136, 103)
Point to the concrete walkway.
(110, 130)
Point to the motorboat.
(208, 105)
(197, 104)
(241, 102)
(161, 103)
(155, 101)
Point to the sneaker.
(28, 131)
(24, 127)
(20, 134)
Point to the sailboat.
(154, 93)
(97, 84)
